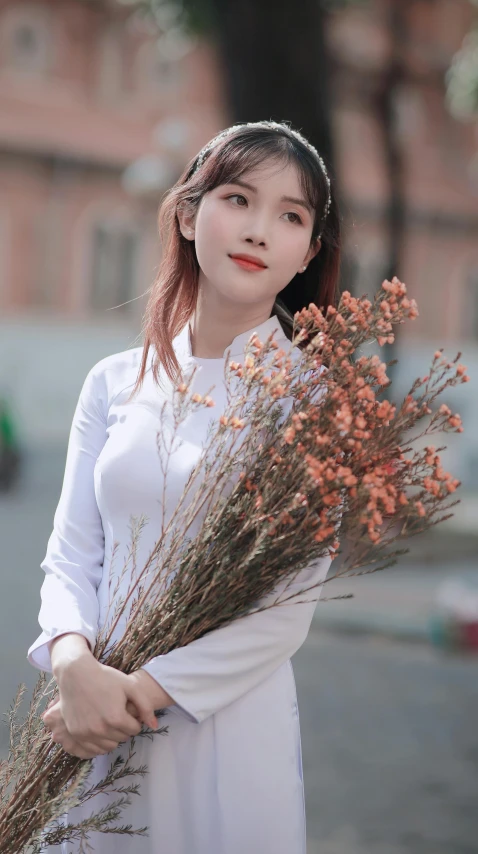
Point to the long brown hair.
(174, 293)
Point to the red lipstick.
(248, 262)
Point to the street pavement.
(389, 734)
(390, 746)
(402, 601)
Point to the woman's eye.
(298, 220)
(290, 213)
(237, 196)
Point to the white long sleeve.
(75, 550)
(224, 664)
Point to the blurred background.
(101, 104)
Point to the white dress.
(227, 778)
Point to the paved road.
(390, 747)
(389, 733)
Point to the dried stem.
(301, 452)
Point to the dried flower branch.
(303, 450)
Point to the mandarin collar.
(182, 342)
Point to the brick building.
(439, 158)
(82, 92)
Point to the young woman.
(250, 235)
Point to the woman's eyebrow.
(290, 199)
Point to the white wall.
(43, 364)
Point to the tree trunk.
(386, 105)
(276, 66)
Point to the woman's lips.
(247, 265)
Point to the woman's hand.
(153, 693)
(59, 734)
(92, 715)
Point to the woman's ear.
(186, 221)
(313, 250)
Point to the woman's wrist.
(158, 697)
(66, 649)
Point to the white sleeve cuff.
(152, 668)
(39, 655)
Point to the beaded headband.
(275, 126)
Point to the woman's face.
(260, 220)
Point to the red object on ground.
(470, 634)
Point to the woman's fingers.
(52, 718)
(93, 702)
(109, 734)
(95, 746)
(83, 750)
(53, 704)
(105, 746)
(105, 742)
(87, 745)
(72, 747)
(132, 710)
(98, 749)
(71, 744)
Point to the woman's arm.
(224, 664)
(75, 551)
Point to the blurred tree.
(275, 62)
(385, 91)
(391, 79)
(387, 96)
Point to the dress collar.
(182, 342)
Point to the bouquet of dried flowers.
(304, 451)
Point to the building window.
(157, 73)
(110, 79)
(115, 252)
(26, 39)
